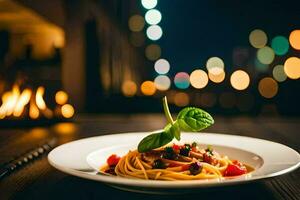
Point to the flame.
(39, 98)
(33, 111)
(22, 102)
(15, 101)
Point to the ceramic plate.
(84, 157)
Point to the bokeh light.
(280, 45)
(67, 111)
(268, 87)
(182, 80)
(292, 67)
(153, 17)
(258, 38)
(61, 97)
(136, 23)
(227, 100)
(215, 65)
(129, 88)
(216, 77)
(295, 39)
(162, 82)
(153, 52)
(198, 79)
(154, 32)
(265, 55)
(149, 4)
(137, 39)
(239, 80)
(148, 88)
(278, 73)
(181, 99)
(162, 66)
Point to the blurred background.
(59, 58)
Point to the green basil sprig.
(189, 119)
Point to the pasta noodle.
(142, 166)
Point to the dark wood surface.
(38, 180)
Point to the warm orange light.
(198, 79)
(148, 88)
(217, 77)
(67, 111)
(292, 67)
(129, 88)
(240, 80)
(295, 39)
(65, 128)
(181, 99)
(12, 100)
(22, 101)
(61, 97)
(39, 98)
(268, 87)
(33, 111)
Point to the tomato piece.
(176, 147)
(235, 170)
(185, 167)
(113, 160)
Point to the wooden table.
(38, 180)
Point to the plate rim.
(166, 184)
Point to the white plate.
(81, 157)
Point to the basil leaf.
(194, 119)
(174, 130)
(155, 140)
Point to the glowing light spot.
(148, 88)
(129, 88)
(66, 128)
(216, 77)
(162, 82)
(61, 97)
(215, 65)
(280, 45)
(154, 32)
(137, 39)
(67, 111)
(153, 52)
(279, 74)
(227, 100)
(153, 17)
(182, 80)
(292, 67)
(198, 79)
(258, 38)
(162, 66)
(240, 80)
(295, 39)
(149, 4)
(136, 23)
(265, 55)
(267, 87)
(181, 99)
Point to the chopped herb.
(170, 154)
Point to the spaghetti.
(177, 162)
